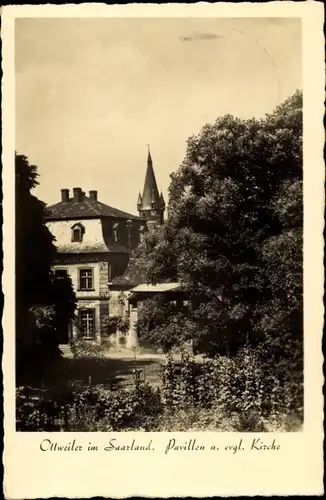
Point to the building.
(94, 243)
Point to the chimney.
(78, 194)
(65, 195)
(93, 195)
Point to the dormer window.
(115, 232)
(77, 232)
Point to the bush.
(114, 324)
(90, 410)
(36, 414)
(247, 390)
(86, 349)
(245, 393)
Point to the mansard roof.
(86, 208)
(130, 278)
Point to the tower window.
(77, 232)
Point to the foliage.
(245, 393)
(115, 324)
(164, 324)
(92, 410)
(35, 250)
(233, 238)
(86, 349)
(36, 415)
(43, 305)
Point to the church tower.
(151, 205)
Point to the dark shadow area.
(95, 371)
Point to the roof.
(92, 248)
(130, 277)
(140, 291)
(158, 288)
(86, 208)
(94, 240)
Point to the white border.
(298, 468)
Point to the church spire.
(150, 191)
(150, 204)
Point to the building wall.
(97, 298)
(118, 303)
(104, 249)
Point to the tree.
(233, 237)
(43, 305)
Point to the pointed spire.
(149, 157)
(150, 192)
(151, 205)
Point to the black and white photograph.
(159, 224)
(163, 208)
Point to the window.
(77, 233)
(60, 273)
(115, 232)
(86, 279)
(87, 322)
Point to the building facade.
(94, 243)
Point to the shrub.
(249, 391)
(90, 410)
(36, 415)
(245, 393)
(115, 324)
(86, 349)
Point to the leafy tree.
(233, 237)
(43, 305)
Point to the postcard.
(163, 276)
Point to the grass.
(111, 369)
(99, 371)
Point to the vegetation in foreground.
(240, 394)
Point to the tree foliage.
(233, 237)
(44, 305)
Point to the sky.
(92, 93)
